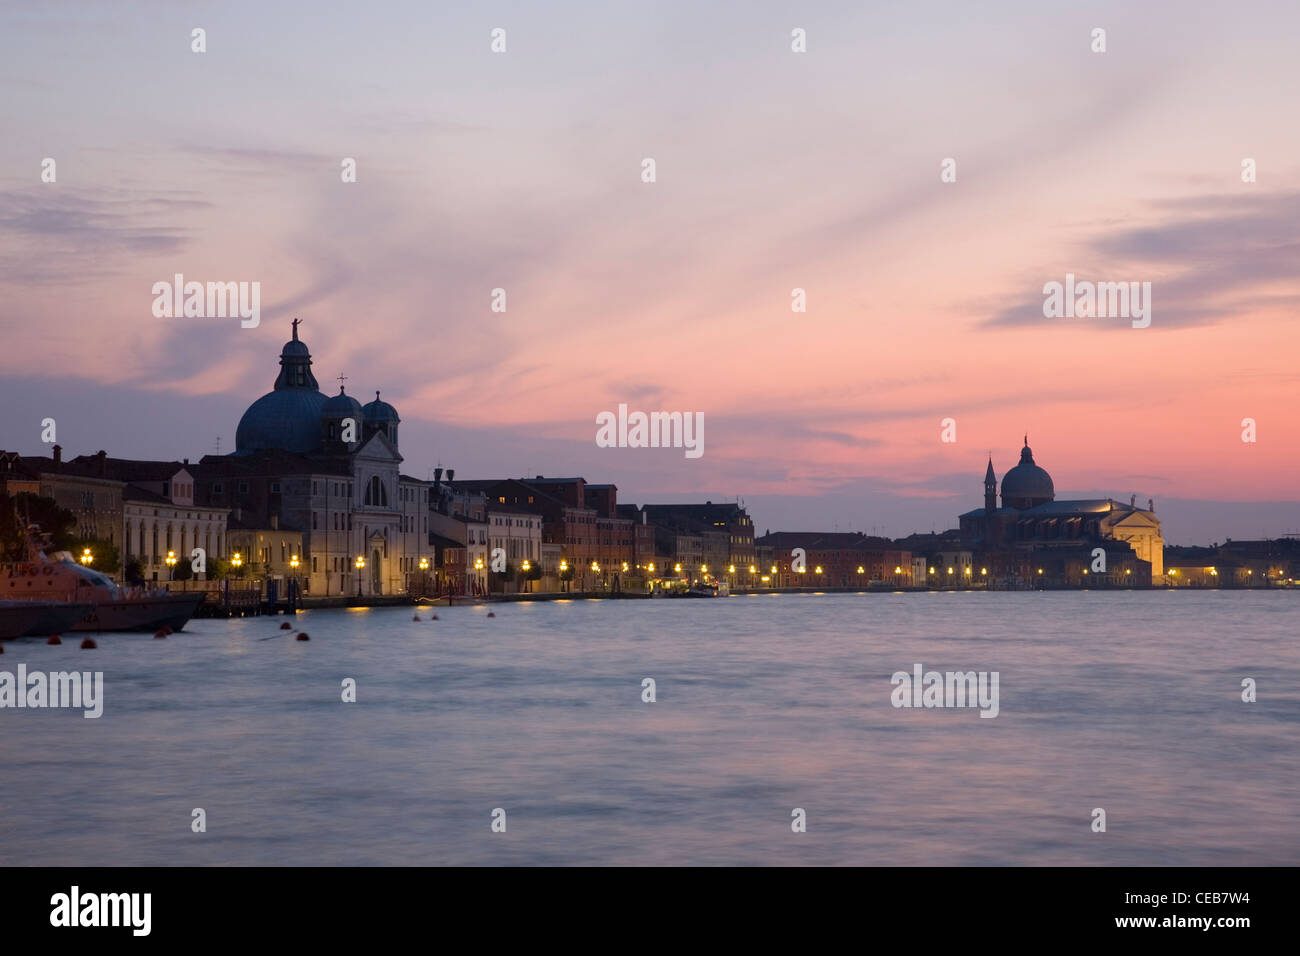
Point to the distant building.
(723, 533)
(837, 559)
(1034, 537)
(328, 468)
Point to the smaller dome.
(378, 412)
(294, 348)
(342, 405)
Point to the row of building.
(314, 491)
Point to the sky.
(774, 170)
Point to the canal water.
(1129, 702)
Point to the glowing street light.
(293, 562)
(359, 563)
(171, 563)
(86, 556)
(861, 569)
(650, 567)
(527, 565)
(424, 564)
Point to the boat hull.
(31, 618)
(141, 614)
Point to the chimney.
(1132, 501)
(58, 457)
(437, 476)
(185, 462)
(103, 462)
(451, 474)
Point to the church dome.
(1026, 485)
(378, 412)
(343, 405)
(288, 417)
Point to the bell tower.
(990, 490)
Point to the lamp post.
(86, 557)
(424, 574)
(360, 563)
(293, 578)
(171, 565)
(564, 567)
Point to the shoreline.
(313, 604)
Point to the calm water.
(1128, 701)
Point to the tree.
(105, 555)
(218, 568)
(134, 571)
(18, 511)
(181, 571)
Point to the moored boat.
(57, 578)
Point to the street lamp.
(171, 564)
(359, 563)
(86, 556)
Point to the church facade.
(327, 468)
(1032, 535)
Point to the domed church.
(329, 468)
(1032, 520)
(296, 417)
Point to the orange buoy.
(303, 636)
(415, 618)
(88, 644)
(2, 648)
(492, 613)
(285, 626)
(54, 639)
(434, 618)
(160, 634)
